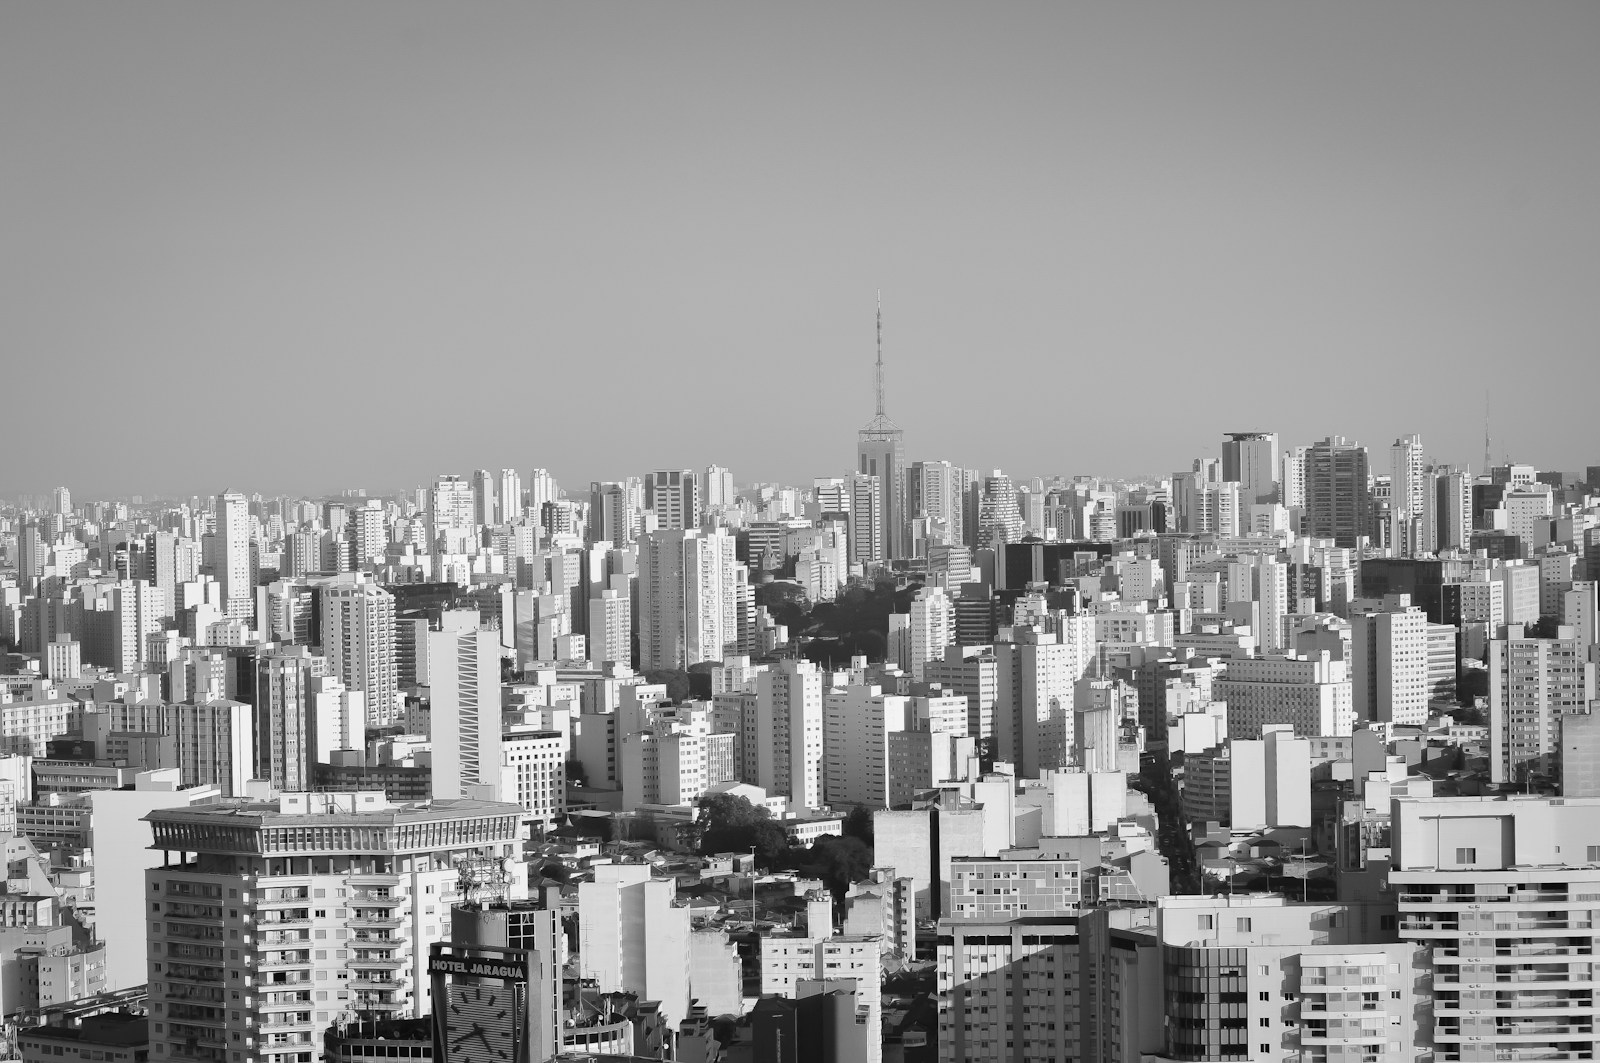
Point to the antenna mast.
(1488, 462)
(878, 382)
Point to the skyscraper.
(1338, 492)
(866, 519)
(450, 504)
(286, 739)
(542, 488)
(358, 638)
(1408, 489)
(233, 557)
(1389, 665)
(688, 598)
(1533, 684)
(508, 498)
(464, 688)
(1250, 459)
(789, 732)
(674, 496)
(880, 452)
(484, 505)
(719, 487)
(268, 919)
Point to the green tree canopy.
(729, 823)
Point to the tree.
(837, 862)
(729, 823)
(1473, 684)
(858, 824)
(700, 679)
(676, 680)
(1546, 627)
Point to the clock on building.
(480, 1023)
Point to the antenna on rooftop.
(879, 376)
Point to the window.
(1466, 856)
(1244, 925)
(1207, 922)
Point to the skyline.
(286, 254)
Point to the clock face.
(480, 1023)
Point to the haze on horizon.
(303, 247)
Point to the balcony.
(293, 917)
(388, 963)
(295, 1020)
(376, 922)
(367, 879)
(385, 984)
(282, 960)
(375, 897)
(379, 1005)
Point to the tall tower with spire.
(880, 452)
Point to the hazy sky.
(299, 247)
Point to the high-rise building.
(1446, 509)
(1250, 459)
(233, 568)
(215, 739)
(508, 497)
(1037, 674)
(611, 626)
(269, 919)
(450, 505)
(788, 733)
(632, 937)
(866, 520)
(931, 629)
(536, 930)
(1389, 665)
(485, 507)
(358, 638)
(286, 738)
(938, 491)
(369, 535)
(615, 512)
(970, 672)
(1408, 497)
(464, 692)
(1292, 481)
(1233, 969)
(880, 452)
(688, 598)
(718, 487)
(31, 555)
(1338, 492)
(857, 723)
(1533, 685)
(1503, 891)
(1009, 990)
(999, 519)
(1311, 693)
(533, 774)
(673, 495)
(542, 488)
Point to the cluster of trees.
(856, 623)
(728, 823)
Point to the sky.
(303, 247)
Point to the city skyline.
(339, 248)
